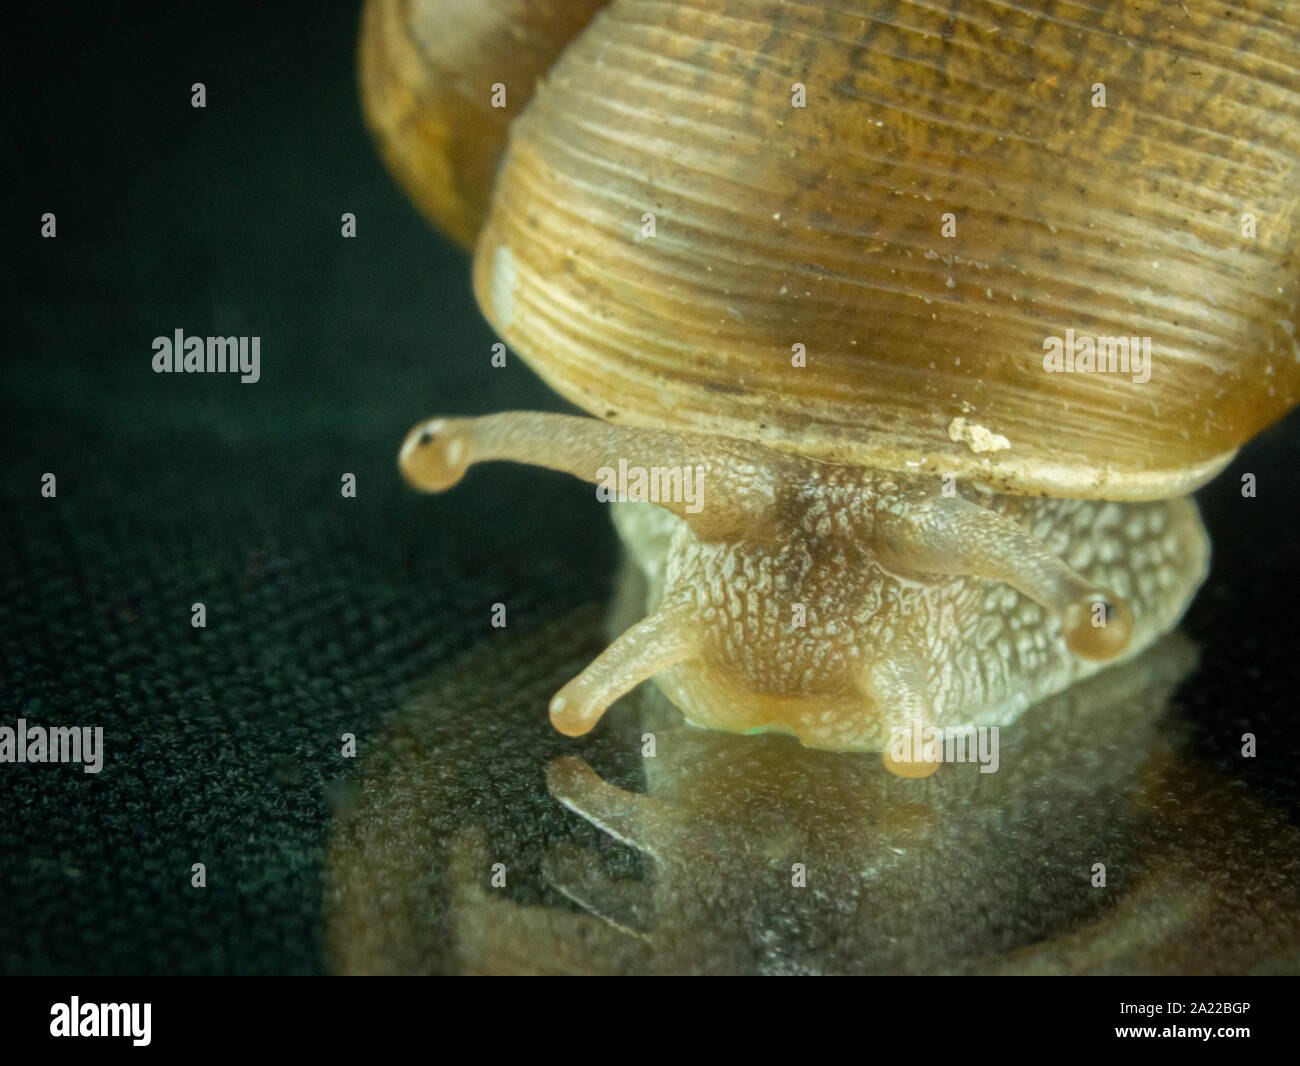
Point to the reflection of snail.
(888, 864)
(962, 871)
(911, 517)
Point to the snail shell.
(427, 70)
(920, 202)
(822, 225)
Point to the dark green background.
(223, 743)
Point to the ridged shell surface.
(428, 68)
(668, 225)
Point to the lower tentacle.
(664, 638)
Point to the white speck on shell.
(976, 437)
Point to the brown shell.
(777, 225)
(427, 71)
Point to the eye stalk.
(743, 477)
(950, 535)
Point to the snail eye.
(1098, 626)
(425, 437)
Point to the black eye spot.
(426, 437)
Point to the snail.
(915, 325)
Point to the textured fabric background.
(222, 744)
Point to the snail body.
(839, 261)
(862, 654)
(841, 604)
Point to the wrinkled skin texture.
(879, 651)
(838, 603)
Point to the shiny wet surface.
(478, 841)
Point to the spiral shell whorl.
(427, 71)
(778, 225)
